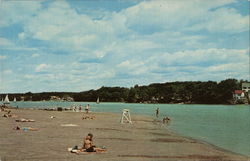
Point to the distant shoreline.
(186, 92)
(131, 103)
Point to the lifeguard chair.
(126, 116)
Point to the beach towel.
(68, 125)
(80, 151)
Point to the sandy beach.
(143, 140)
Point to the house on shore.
(243, 95)
(55, 98)
(238, 95)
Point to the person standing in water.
(157, 111)
(87, 108)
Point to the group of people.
(9, 114)
(77, 108)
(165, 120)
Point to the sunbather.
(88, 117)
(88, 145)
(9, 115)
(25, 120)
(25, 128)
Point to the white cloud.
(152, 41)
(3, 57)
(68, 30)
(35, 55)
(79, 33)
(21, 35)
(9, 45)
(5, 42)
(226, 20)
(124, 64)
(29, 76)
(17, 11)
(41, 67)
(202, 56)
(182, 15)
(7, 71)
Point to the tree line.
(193, 92)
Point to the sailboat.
(6, 100)
(14, 99)
(98, 101)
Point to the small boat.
(98, 100)
(14, 99)
(6, 100)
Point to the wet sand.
(144, 140)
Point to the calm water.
(222, 125)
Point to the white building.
(246, 87)
(238, 94)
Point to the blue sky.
(81, 45)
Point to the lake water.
(226, 126)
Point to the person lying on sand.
(88, 117)
(25, 120)
(25, 128)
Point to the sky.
(78, 45)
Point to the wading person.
(87, 108)
(157, 111)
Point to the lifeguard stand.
(126, 116)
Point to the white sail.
(14, 99)
(98, 101)
(6, 100)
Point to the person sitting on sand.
(88, 145)
(166, 120)
(25, 128)
(5, 115)
(9, 115)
